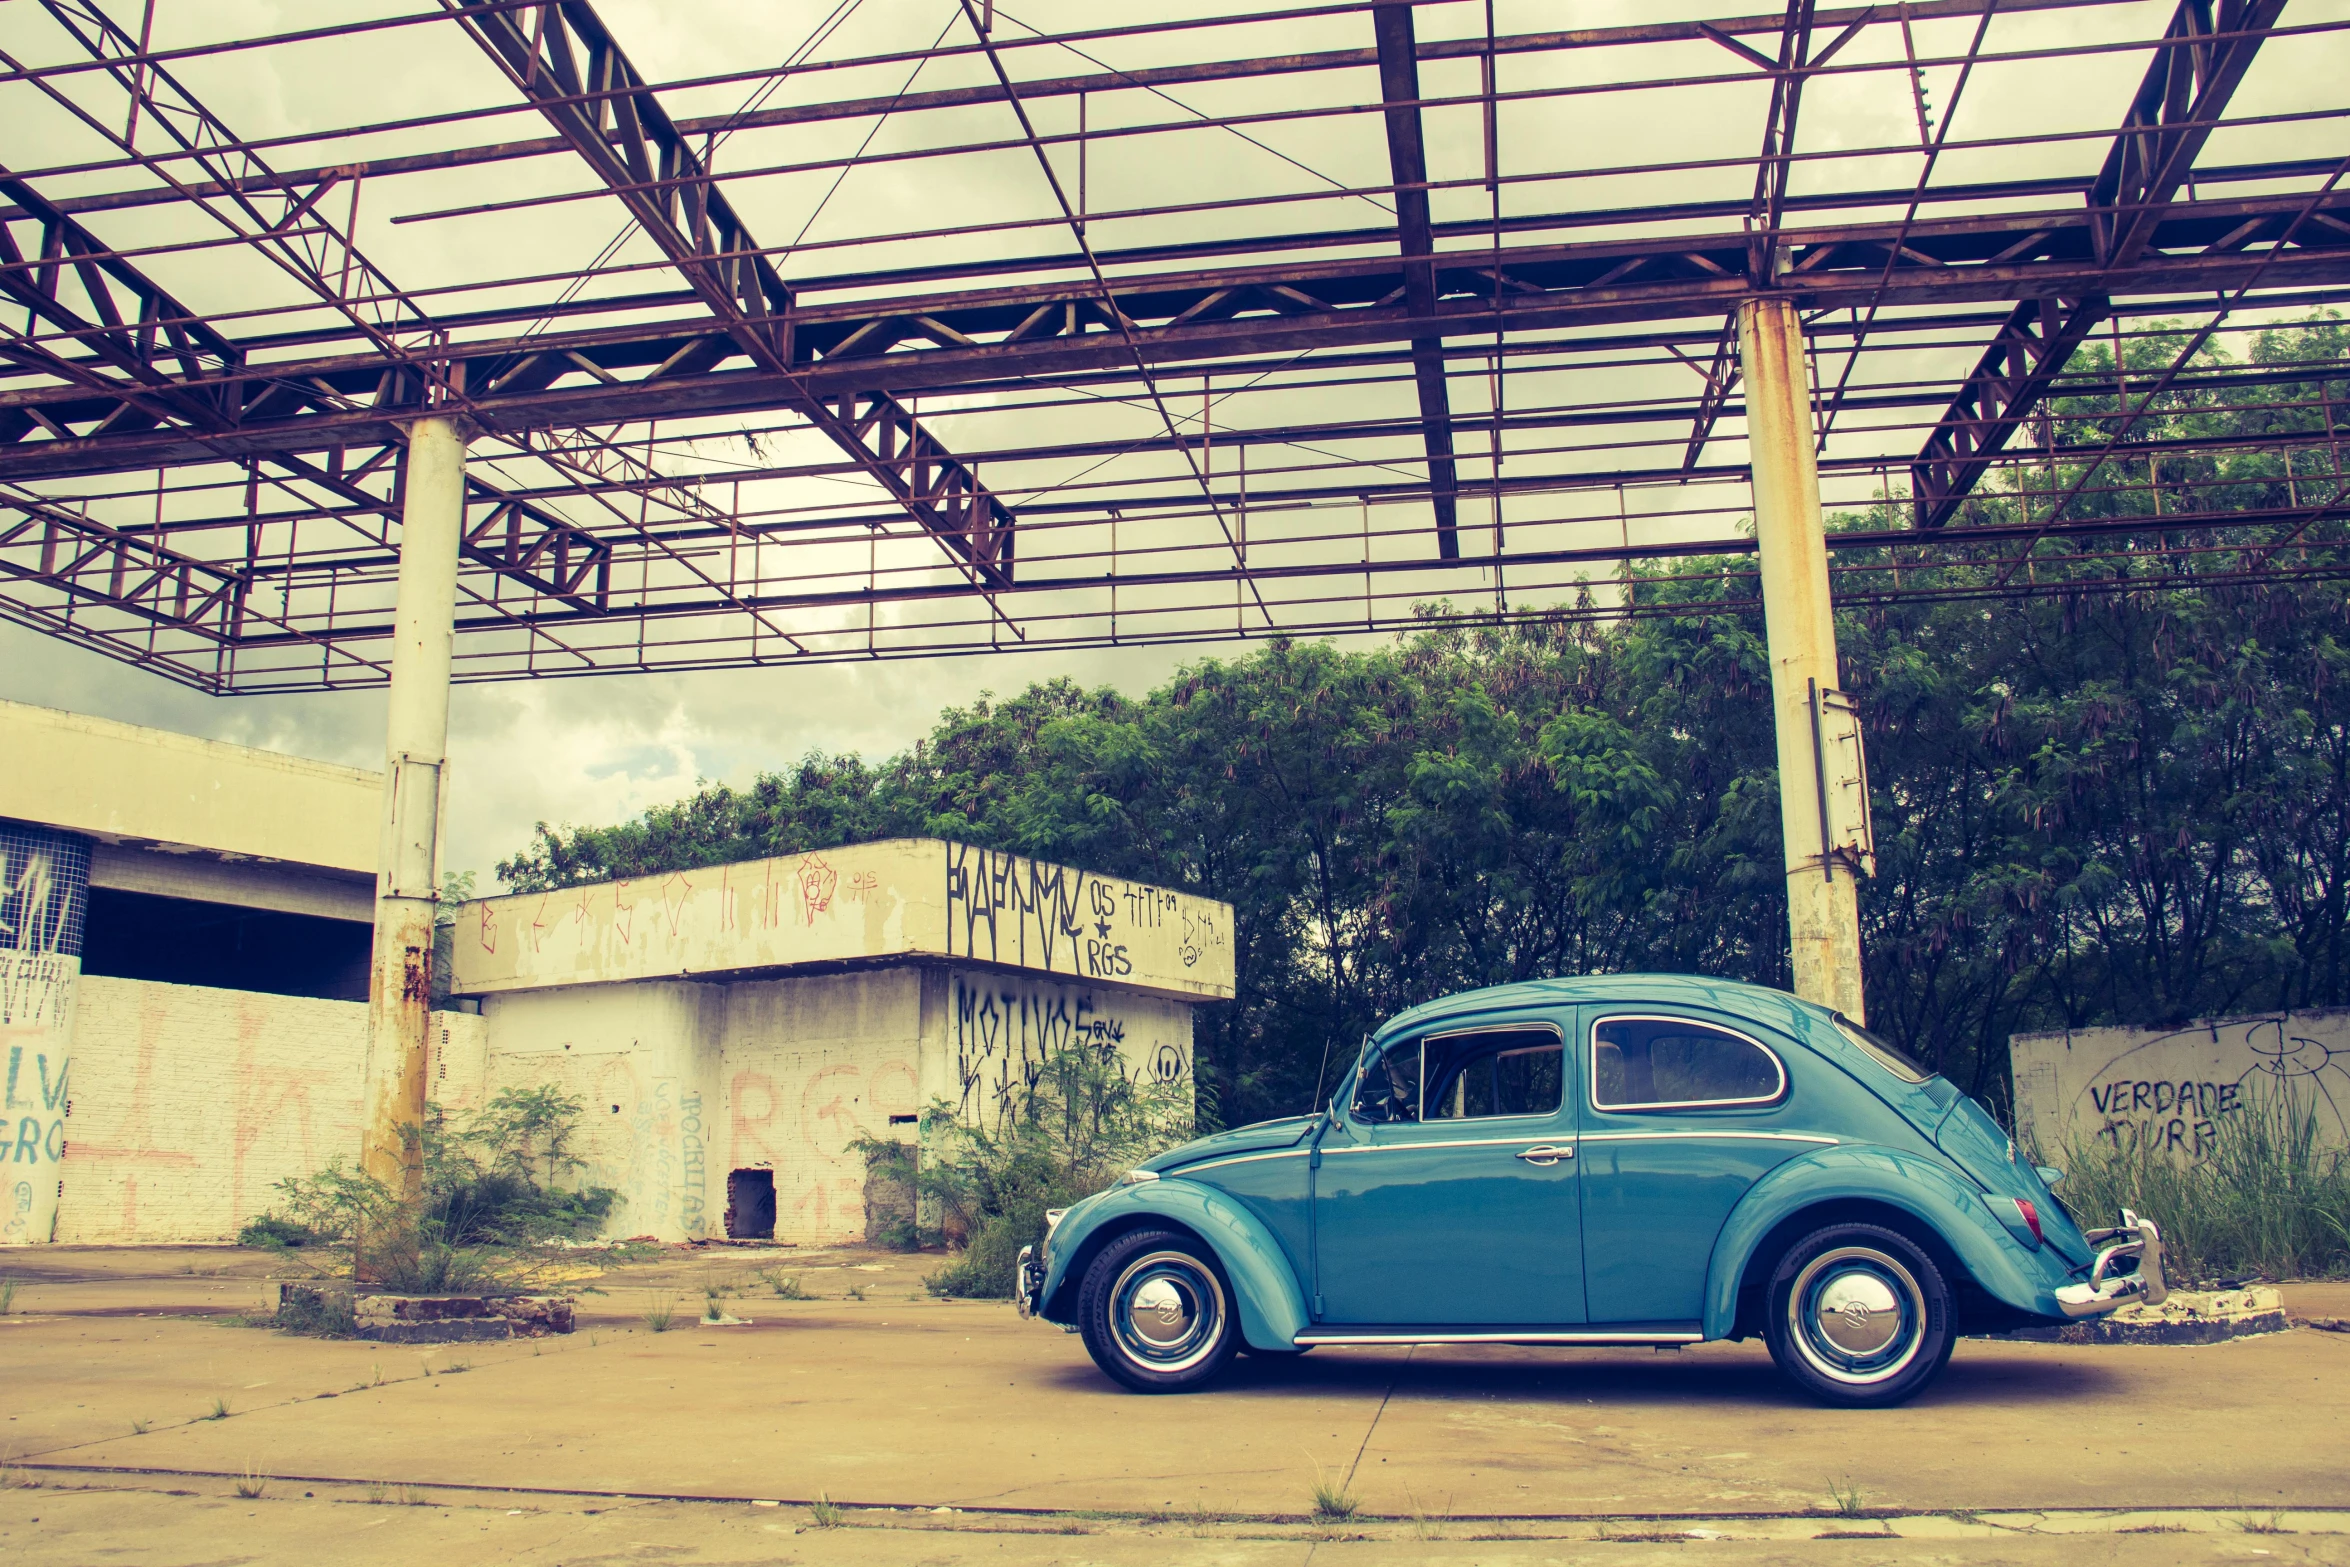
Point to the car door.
(1445, 1194)
(1683, 1112)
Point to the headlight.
(1137, 1177)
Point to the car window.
(1647, 1063)
(1389, 1086)
(1492, 1072)
(1887, 1054)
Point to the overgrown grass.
(2268, 1198)
(1073, 1129)
(1333, 1502)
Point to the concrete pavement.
(897, 1401)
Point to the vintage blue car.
(1628, 1159)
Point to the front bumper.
(2134, 1239)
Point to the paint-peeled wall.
(813, 1066)
(645, 1061)
(190, 1104)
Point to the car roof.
(1759, 1002)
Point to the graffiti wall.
(813, 1066)
(44, 894)
(913, 897)
(1000, 1030)
(2173, 1089)
(190, 1104)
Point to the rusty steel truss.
(1428, 308)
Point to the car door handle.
(1546, 1153)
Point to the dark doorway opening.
(750, 1205)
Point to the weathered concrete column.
(44, 895)
(399, 988)
(1823, 904)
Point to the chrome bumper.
(1028, 1282)
(2104, 1290)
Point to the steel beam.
(560, 51)
(2187, 85)
(1407, 161)
(991, 337)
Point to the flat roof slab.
(900, 898)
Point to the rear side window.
(1659, 1063)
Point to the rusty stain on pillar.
(399, 990)
(1823, 897)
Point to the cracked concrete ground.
(134, 1413)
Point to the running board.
(1497, 1336)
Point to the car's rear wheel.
(1156, 1312)
(1859, 1316)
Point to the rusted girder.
(2186, 87)
(560, 51)
(989, 337)
(1407, 159)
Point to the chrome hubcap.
(1857, 1315)
(1167, 1311)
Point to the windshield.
(1888, 1055)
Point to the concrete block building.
(184, 940)
(735, 1029)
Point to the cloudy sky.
(593, 750)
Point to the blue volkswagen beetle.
(1628, 1159)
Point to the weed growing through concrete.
(785, 1285)
(1846, 1497)
(252, 1488)
(713, 1303)
(1422, 1525)
(823, 1514)
(19, 1480)
(454, 1367)
(139, 1427)
(378, 1369)
(854, 1292)
(220, 1410)
(2274, 1523)
(7, 1296)
(661, 1315)
(1333, 1502)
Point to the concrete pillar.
(44, 894)
(1823, 904)
(399, 989)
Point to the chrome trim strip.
(1460, 1142)
(1592, 1087)
(1240, 1158)
(1648, 1137)
(1399, 1339)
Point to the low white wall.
(2171, 1089)
(189, 1104)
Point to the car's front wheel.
(1156, 1312)
(1859, 1316)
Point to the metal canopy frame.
(1405, 341)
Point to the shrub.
(491, 1204)
(1076, 1126)
(2268, 1199)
